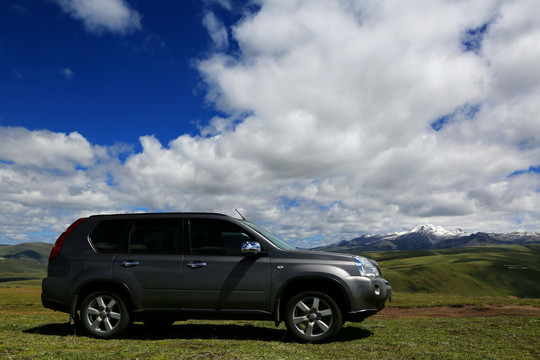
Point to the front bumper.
(369, 296)
(361, 315)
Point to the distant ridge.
(427, 236)
(34, 252)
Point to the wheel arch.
(326, 285)
(104, 285)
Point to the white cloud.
(68, 73)
(330, 128)
(98, 16)
(217, 30)
(46, 178)
(45, 149)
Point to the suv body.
(107, 271)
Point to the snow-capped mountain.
(427, 236)
(437, 230)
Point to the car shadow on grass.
(206, 331)
(200, 331)
(57, 329)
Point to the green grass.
(455, 277)
(28, 331)
(512, 270)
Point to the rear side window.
(107, 236)
(154, 237)
(214, 237)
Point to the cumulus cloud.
(44, 149)
(46, 178)
(98, 16)
(341, 118)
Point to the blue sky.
(321, 120)
(60, 75)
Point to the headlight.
(365, 267)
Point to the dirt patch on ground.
(459, 311)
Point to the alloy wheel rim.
(103, 314)
(312, 316)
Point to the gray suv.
(107, 271)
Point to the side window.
(107, 235)
(214, 237)
(154, 237)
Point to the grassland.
(28, 331)
(431, 285)
(511, 270)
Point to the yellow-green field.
(472, 303)
(29, 331)
(510, 270)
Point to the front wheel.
(104, 315)
(312, 316)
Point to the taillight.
(60, 241)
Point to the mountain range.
(427, 236)
(421, 237)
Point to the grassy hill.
(33, 252)
(510, 270)
(25, 262)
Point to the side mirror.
(251, 247)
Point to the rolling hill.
(38, 252)
(502, 270)
(508, 270)
(24, 262)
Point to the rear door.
(217, 276)
(150, 263)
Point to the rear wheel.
(312, 316)
(104, 314)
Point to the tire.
(104, 315)
(312, 317)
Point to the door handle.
(129, 263)
(196, 264)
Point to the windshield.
(270, 237)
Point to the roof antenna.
(243, 218)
